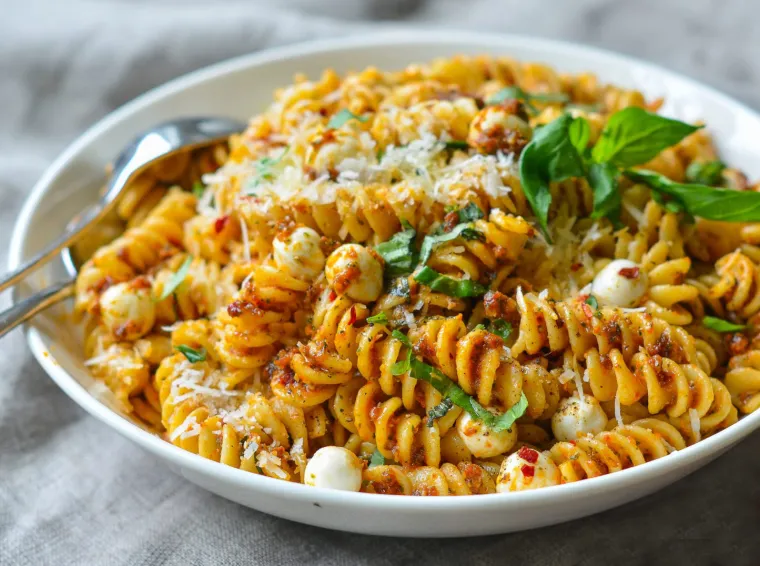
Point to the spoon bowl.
(147, 149)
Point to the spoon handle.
(86, 220)
(26, 309)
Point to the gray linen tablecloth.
(74, 492)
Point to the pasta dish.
(469, 276)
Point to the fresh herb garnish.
(634, 136)
(720, 325)
(459, 288)
(449, 389)
(705, 172)
(466, 231)
(264, 170)
(726, 205)
(439, 411)
(469, 213)
(592, 302)
(500, 327)
(398, 252)
(379, 318)
(588, 108)
(457, 144)
(377, 459)
(198, 189)
(603, 179)
(193, 356)
(337, 120)
(176, 279)
(549, 157)
(516, 93)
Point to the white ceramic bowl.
(241, 87)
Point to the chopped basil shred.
(449, 389)
(337, 120)
(460, 288)
(398, 252)
(497, 326)
(592, 302)
(439, 411)
(379, 318)
(720, 325)
(176, 279)
(193, 356)
(457, 144)
(377, 459)
(198, 189)
(466, 231)
(469, 213)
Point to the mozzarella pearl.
(483, 442)
(616, 289)
(354, 271)
(334, 467)
(298, 253)
(527, 469)
(128, 312)
(576, 418)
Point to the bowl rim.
(289, 491)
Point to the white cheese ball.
(352, 270)
(334, 467)
(298, 253)
(576, 417)
(620, 284)
(128, 311)
(527, 469)
(483, 442)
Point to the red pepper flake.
(220, 223)
(352, 315)
(332, 296)
(576, 267)
(528, 454)
(629, 272)
(528, 471)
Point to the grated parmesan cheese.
(246, 241)
(618, 415)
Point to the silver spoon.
(157, 143)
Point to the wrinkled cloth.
(73, 491)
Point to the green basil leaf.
(451, 390)
(702, 201)
(603, 178)
(176, 279)
(579, 132)
(439, 411)
(401, 337)
(505, 421)
(480, 326)
(720, 325)
(459, 288)
(705, 172)
(507, 93)
(592, 302)
(501, 328)
(549, 157)
(460, 230)
(516, 93)
(337, 120)
(398, 252)
(456, 144)
(379, 318)
(198, 189)
(377, 459)
(470, 213)
(193, 356)
(633, 136)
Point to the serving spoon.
(164, 140)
